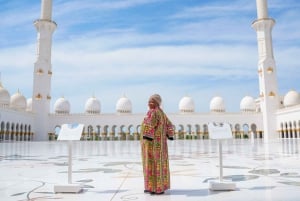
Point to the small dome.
(217, 104)
(186, 105)
(248, 104)
(18, 101)
(92, 106)
(124, 105)
(62, 106)
(29, 104)
(291, 98)
(4, 96)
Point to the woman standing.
(156, 129)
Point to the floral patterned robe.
(157, 127)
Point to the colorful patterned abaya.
(156, 126)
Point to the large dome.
(4, 96)
(217, 104)
(62, 106)
(18, 101)
(92, 106)
(124, 105)
(291, 98)
(248, 104)
(186, 105)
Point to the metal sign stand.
(69, 134)
(220, 131)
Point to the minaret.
(43, 71)
(266, 69)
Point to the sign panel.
(219, 131)
(70, 132)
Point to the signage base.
(221, 186)
(67, 188)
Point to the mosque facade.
(268, 116)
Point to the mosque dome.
(18, 101)
(248, 104)
(217, 104)
(29, 104)
(62, 106)
(186, 105)
(124, 105)
(92, 106)
(291, 98)
(4, 96)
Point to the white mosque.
(268, 116)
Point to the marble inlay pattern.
(111, 170)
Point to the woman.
(156, 129)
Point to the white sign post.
(220, 131)
(69, 133)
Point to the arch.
(294, 129)
(281, 130)
(89, 133)
(122, 133)
(254, 130)
(237, 131)
(290, 130)
(197, 128)
(2, 130)
(197, 131)
(180, 131)
(98, 132)
(245, 131)
(286, 130)
(104, 132)
(205, 132)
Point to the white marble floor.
(111, 170)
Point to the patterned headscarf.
(156, 98)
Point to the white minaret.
(266, 69)
(43, 71)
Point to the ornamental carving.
(272, 94)
(270, 70)
(38, 96)
(40, 71)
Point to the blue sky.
(107, 48)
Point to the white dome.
(186, 105)
(29, 104)
(92, 106)
(62, 106)
(248, 104)
(291, 98)
(18, 101)
(4, 96)
(124, 105)
(217, 104)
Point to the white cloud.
(201, 51)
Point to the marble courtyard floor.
(111, 170)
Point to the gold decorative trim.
(272, 94)
(49, 72)
(270, 70)
(38, 96)
(40, 71)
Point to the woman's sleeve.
(170, 128)
(150, 123)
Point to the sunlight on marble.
(111, 170)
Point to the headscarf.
(156, 98)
